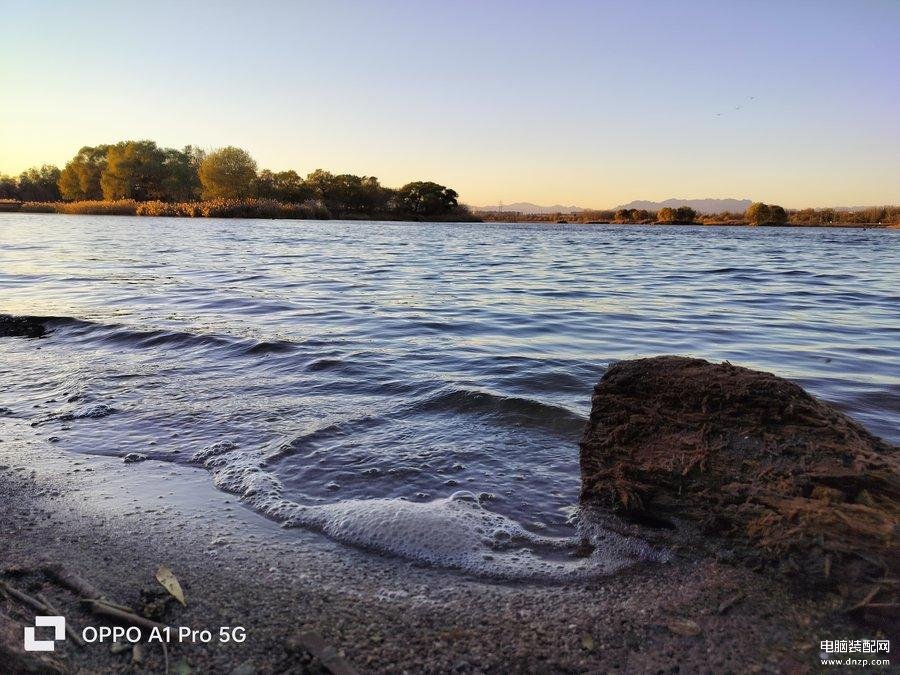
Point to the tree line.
(144, 172)
(758, 213)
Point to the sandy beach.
(114, 524)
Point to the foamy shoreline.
(114, 523)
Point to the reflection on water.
(360, 360)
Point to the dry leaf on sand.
(170, 582)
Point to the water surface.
(341, 361)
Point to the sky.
(576, 103)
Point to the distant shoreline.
(274, 210)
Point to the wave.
(137, 338)
(510, 409)
(456, 532)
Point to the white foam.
(458, 532)
(455, 532)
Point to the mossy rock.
(749, 459)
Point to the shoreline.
(362, 218)
(114, 523)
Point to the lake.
(323, 363)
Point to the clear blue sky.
(587, 103)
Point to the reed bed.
(214, 208)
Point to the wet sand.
(115, 523)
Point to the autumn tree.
(134, 170)
(765, 214)
(638, 215)
(228, 173)
(182, 173)
(666, 215)
(80, 179)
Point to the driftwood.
(110, 611)
(68, 579)
(23, 597)
(751, 459)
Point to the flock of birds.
(737, 107)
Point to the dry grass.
(215, 208)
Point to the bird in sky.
(737, 107)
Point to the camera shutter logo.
(58, 623)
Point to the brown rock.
(749, 458)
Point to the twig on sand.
(165, 655)
(315, 645)
(72, 581)
(23, 597)
(111, 611)
(69, 630)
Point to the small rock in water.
(332, 486)
(133, 457)
(21, 326)
(89, 412)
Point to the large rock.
(749, 459)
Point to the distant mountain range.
(699, 205)
(528, 207)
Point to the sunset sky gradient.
(585, 103)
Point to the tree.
(347, 194)
(182, 177)
(285, 186)
(764, 214)
(228, 173)
(323, 186)
(623, 216)
(39, 184)
(80, 179)
(666, 215)
(777, 215)
(9, 187)
(134, 170)
(425, 198)
(685, 214)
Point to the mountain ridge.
(528, 207)
(700, 205)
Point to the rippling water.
(342, 361)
